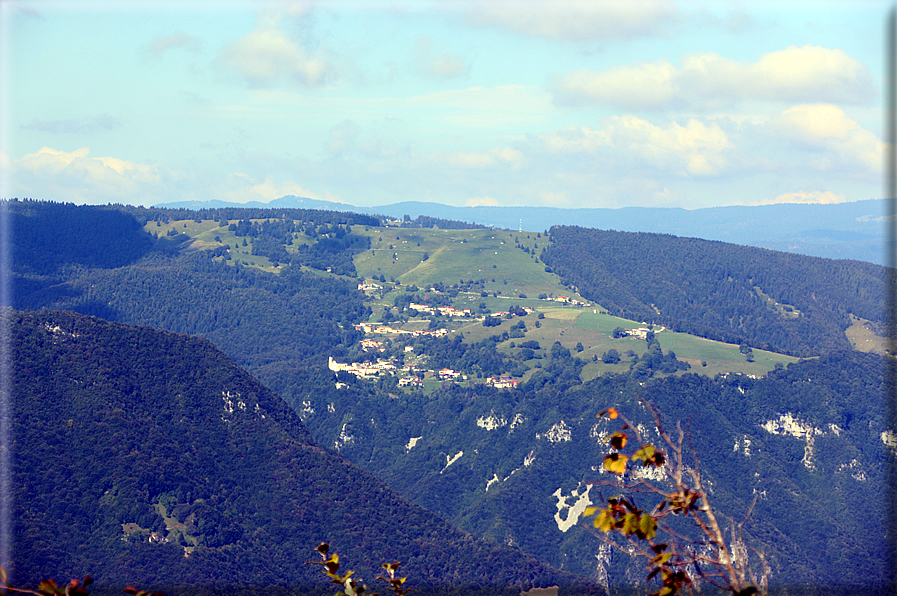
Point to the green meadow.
(203, 237)
(453, 256)
(510, 276)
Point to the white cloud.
(481, 202)
(178, 40)
(75, 176)
(441, 65)
(802, 196)
(795, 73)
(242, 188)
(51, 159)
(575, 20)
(826, 130)
(709, 81)
(575, 139)
(695, 149)
(814, 123)
(485, 159)
(640, 86)
(267, 55)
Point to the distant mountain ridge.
(287, 202)
(853, 230)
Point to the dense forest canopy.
(313, 216)
(771, 300)
(145, 455)
(48, 236)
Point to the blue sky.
(516, 102)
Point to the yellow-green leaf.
(648, 525)
(616, 463)
(645, 453)
(630, 524)
(604, 521)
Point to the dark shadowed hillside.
(146, 456)
(49, 236)
(771, 300)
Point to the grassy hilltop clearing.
(412, 256)
(497, 269)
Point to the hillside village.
(408, 367)
(413, 371)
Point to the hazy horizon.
(508, 103)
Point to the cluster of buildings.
(642, 332)
(365, 369)
(502, 313)
(502, 382)
(368, 370)
(387, 330)
(446, 311)
(372, 344)
(567, 300)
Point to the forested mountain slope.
(807, 442)
(463, 451)
(256, 318)
(767, 299)
(48, 237)
(144, 456)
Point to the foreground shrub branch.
(679, 534)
